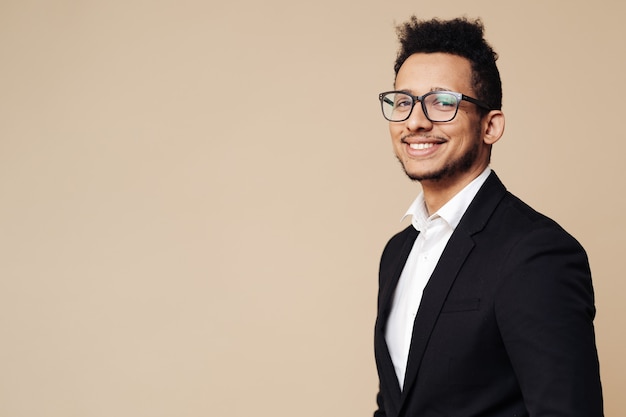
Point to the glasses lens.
(441, 106)
(396, 106)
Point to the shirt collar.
(452, 211)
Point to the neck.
(438, 192)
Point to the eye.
(403, 101)
(444, 101)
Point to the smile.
(421, 145)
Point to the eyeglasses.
(438, 106)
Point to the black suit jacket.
(505, 325)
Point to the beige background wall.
(194, 194)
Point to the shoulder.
(501, 213)
(521, 218)
(515, 237)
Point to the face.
(453, 152)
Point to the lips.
(422, 146)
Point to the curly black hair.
(460, 37)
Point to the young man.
(485, 307)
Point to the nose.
(418, 120)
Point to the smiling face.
(448, 154)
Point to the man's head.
(444, 111)
(459, 37)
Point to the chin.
(421, 175)
(435, 176)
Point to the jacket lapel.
(452, 259)
(435, 293)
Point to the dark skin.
(443, 157)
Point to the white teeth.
(421, 145)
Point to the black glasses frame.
(420, 99)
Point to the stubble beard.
(453, 168)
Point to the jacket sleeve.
(545, 311)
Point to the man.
(485, 307)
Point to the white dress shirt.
(434, 232)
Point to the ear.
(493, 126)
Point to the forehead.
(424, 72)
